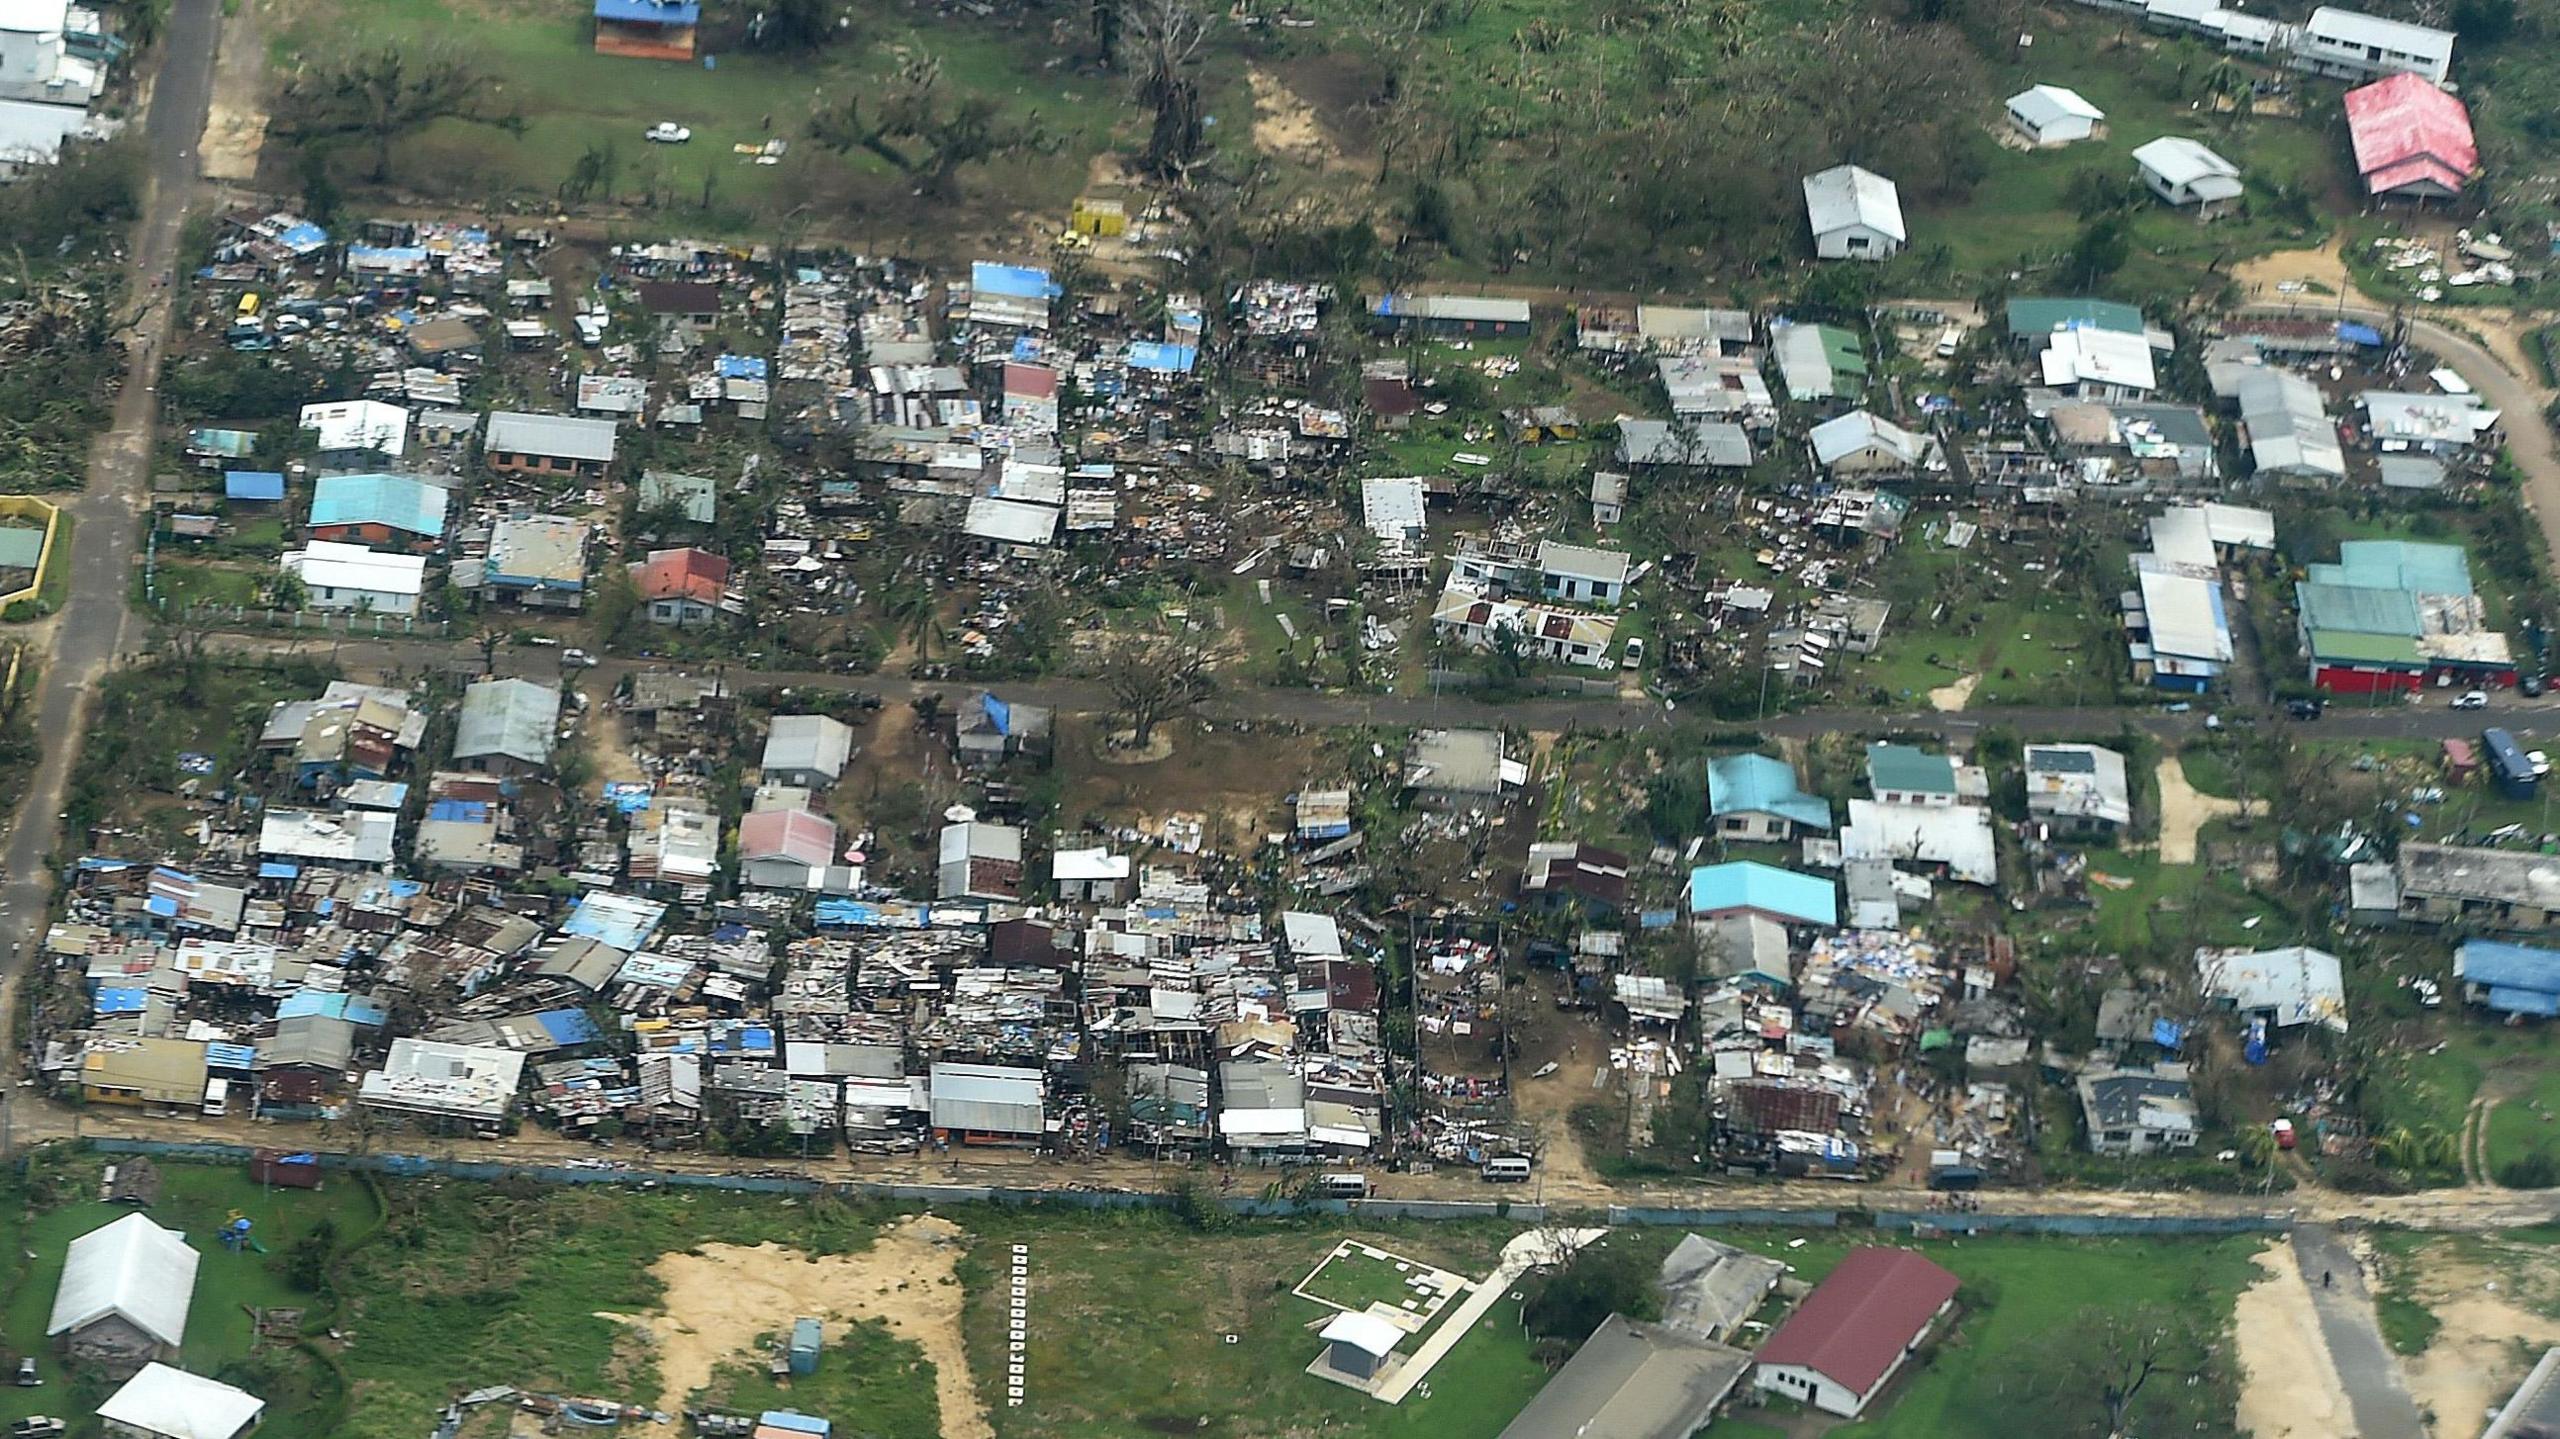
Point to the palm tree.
(914, 608)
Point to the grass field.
(541, 53)
(196, 1201)
(866, 1376)
(1352, 1280)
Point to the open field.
(541, 56)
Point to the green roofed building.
(2033, 317)
(2396, 615)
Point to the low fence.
(422, 1166)
(317, 622)
(1930, 1224)
(1635, 1214)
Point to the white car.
(2472, 700)
(666, 132)
(1634, 657)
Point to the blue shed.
(805, 1339)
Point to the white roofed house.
(1479, 622)
(2287, 987)
(36, 59)
(166, 1403)
(1688, 444)
(987, 1103)
(507, 727)
(808, 751)
(2078, 789)
(356, 578)
(2438, 425)
(1855, 214)
(2096, 364)
(358, 427)
(2183, 172)
(1861, 442)
(1089, 876)
(1580, 574)
(531, 444)
(122, 1300)
(472, 1083)
(2288, 428)
(2050, 115)
(2349, 45)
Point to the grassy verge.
(866, 1376)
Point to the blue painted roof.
(332, 1005)
(230, 1056)
(402, 502)
(278, 869)
(794, 1421)
(2521, 971)
(1758, 784)
(252, 485)
(649, 12)
(742, 367)
(304, 238)
(1747, 884)
(461, 811)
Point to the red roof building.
(1854, 1330)
(683, 586)
(2412, 140)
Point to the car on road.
(2530, 685)
(2176, 707)
(577, 659)
(666, 132)
(2472, 700)
(2304, 709)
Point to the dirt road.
(2289, 1388)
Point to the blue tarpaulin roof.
(568, 1026)
(1161, 357)
(999, 713)
(649, 12)
(1021, 282)
(230, 1056)
(121, 1000)
(252, 485)
(2355, 334)
(2523, 1001)
(742, 367)
(2167, 1034)
(278, 869)
(794, 1421)
(387, 254)
(2520, 978)
(304, 238)
(463, 811)
(162, 906)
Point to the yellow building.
(144, 1071)
(1097, 217)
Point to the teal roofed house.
(385, 511)
(1754, 798)
(1900, 774)
(1743, 886)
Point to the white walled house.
(1854, 1332)
(2047, 116)
(2183, 172)
(1855, 213)
(357, 578)
(2348, 45)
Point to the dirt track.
(2183, 812)
(2289, 1389)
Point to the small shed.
(806, 1337)
(1358, 1343)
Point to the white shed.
(1856, 214)
(2050, 115)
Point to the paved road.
(2432, 718)
(2381, 1403)
(92, 628)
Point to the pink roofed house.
(784, 848)
(2412, 140)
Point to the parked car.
(2530, 685)
(38, 1426)
(576, 659)
(1635, 655)
(2305, 709)
(2472, 700)
(26, 1377)
(667, 132)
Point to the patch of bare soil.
(2184, 811)
(1953, 696)
(1231, 780)
(2488, 1323)
(235, 128)
(608, 740)
(2259, 278)
(2289, 1388)
(1285, 126)
(721, 1297)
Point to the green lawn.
(2172, 906)
(196, 1201)
(183, 583)
(2029, 638)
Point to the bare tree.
(1155, 680)
(379, 94)
(1169, 36)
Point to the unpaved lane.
(2184, 811)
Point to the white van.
(1511, 1169)
(217, 1098)
(1343, 1186)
